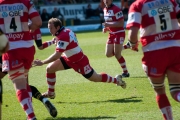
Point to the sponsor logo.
(107, 19)
(160, 10)
(157, 3)
(11, 13)
(163, 36)
(15, 36)
(153, 71)
(15, 64)
(15, 13)
(119, 15)
(5, 8)
(61, 44)
(4, 14)
(38, 36)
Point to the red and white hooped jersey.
(14, 16)
(67, 43)
(112, 14)
(157, 22)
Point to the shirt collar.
(57, 33)
(110, 6)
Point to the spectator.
(99, 11)
(45, 16)
(59, 1)
(89, 12)
(69, 1)
(57, 14)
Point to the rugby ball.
(4, 43)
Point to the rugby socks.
(164, 106)
(123, 64)
(24, 99)
(36, 94)
(29, 91)
(48, 43)
(108, 79)
(51, 80)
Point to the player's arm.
(36, 23)
(119, 23)
(133, 38)
(56, 55)
(43, 45)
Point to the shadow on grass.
(137, 77)
(124, 100)
(82, 118)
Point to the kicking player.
(68, 54)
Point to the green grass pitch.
(80, 99)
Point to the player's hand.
(133, 46)
(37, 62)
(55, 40)
(104, 30)
(105, 24)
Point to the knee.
(109, 55)
(49, 69)
(175, 91)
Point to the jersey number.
(13, 24)
(163, 22)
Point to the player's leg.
(161, 97)
(20, 83)
(51, 76)
(118, 47)
(174, 84)
(104, 77)
(156, 73)
(34, 92)
(37, 95)
(120, 59)
(87, 71)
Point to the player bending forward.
(68, 54)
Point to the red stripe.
(51, 83)
(50, 75)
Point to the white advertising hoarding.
(72, 10)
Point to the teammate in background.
(159, 58)
(14, 23)
(114, 23)
(67, 55)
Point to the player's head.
(107, 2)
(54, 24)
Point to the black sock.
(36, 94)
